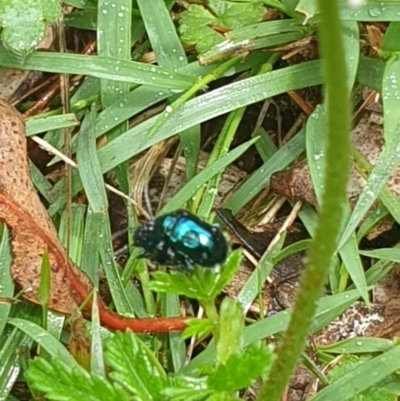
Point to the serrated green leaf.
(197, 327)
(195, 24)
(203, 284)
(237, 15)
(59, 382)
(241, 370)
(194, 20)
(229, 270)
(174, 282)
(134, 367)
(186, 388)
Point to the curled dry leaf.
(33, 231)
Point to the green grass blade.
(44, 287)
(201, 109)
(357, 345)
(10, 355)
(118, 292)
(265, 29)
(383, 169)
(7, 284)
(261, 177)
(370, 72)
(391, 254)
(144, 97)
(186, 193)
(208, 106)
(390, 98)
(361, 378)
(40, 182)
(96, 345)
(114, 42)
(221, 147)
(44, 339)
(256, 281)
(371, 11)
(316, 148)
(76, 232)
(43, 124)
(100, 67)
(161, 32)
(352, 261)
(89, 167)
(90, 249)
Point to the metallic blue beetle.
(181, 239)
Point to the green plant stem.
(212, 314)
(325, 241)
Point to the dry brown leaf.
(33, 231)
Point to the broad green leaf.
(307, 7)
(23, 22)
